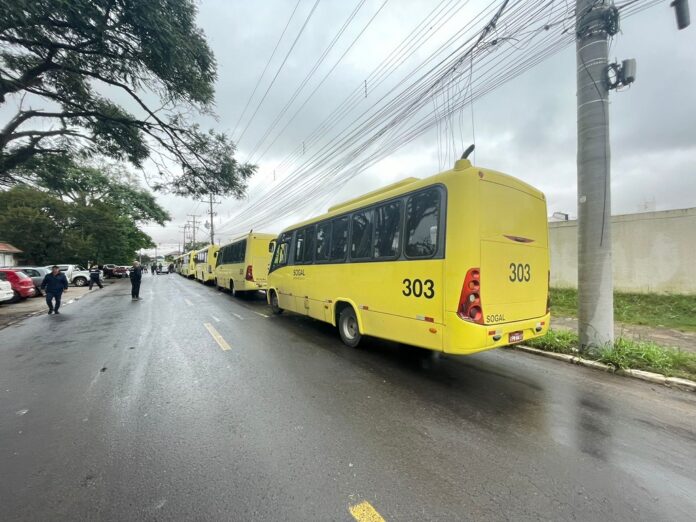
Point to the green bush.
(626, 354)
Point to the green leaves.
(50, 230)
(68, 56)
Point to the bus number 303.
(418, 288)
(520, 272)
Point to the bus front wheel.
(275, 308)
(348, 327)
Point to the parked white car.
(6, 293)
(76, 274)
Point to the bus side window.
(339, 239)
(323, 242)
(361, 235)
(271, 246)
(280, 256)
(300, 247)
(387, 230)
(422, 221)
(308, 256)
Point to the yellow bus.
(188, 264)
(205, 260)
(242, 265)
(457, 262)
(178, 261)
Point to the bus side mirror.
(271, 247)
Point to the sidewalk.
(664, 336)
(13, 312)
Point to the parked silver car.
(37, 274)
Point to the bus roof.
(410, 184)
(252, 234)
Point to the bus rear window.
(422, 221)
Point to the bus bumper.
(464, 338)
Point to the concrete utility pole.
(183, 229)
(211, 215)
(595, 21)
(193, 227)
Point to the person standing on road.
(170, 268)
(153, 267)
(136, 274)
(94, 277)
(54, 284)
(159, 268)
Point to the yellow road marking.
(218, 338)
(364, 512)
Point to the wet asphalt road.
(131, 411)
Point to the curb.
(655, 378)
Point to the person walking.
(153, 267)
(54, 284)
(94, 274)
(136, 274)
(159, 268)
(170, 268)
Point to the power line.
(287, 55)
(306, 79)
(506, 46)
(258, 82)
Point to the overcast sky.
(526, 127)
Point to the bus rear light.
(249, 273)
(475, 314)
(470, 307)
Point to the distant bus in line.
(242, 265)
(205, 260)
(187, 264)
(457, 262)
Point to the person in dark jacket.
(136, 274)
(54, 285)
(94, 277)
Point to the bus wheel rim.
(350, 327)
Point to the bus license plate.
(515, 337)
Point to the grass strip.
(626, 354)
(668, 310)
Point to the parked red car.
(22, 285)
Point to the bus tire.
(217, 286)
(348, 327)
(275, 308)
(233, 291)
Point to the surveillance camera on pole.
(681, 10)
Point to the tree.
(87, 185)
(51, 230)
(58, 60)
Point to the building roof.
(6, 248)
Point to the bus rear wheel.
(348, 327)
(275, 308)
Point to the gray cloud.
(526, 127)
